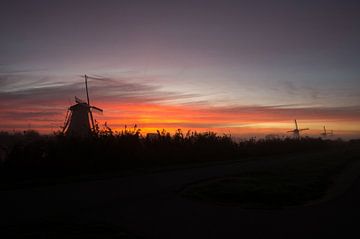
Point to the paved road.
(150, 207)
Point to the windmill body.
(79, 121)
(296, 133)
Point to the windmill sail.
(296, 131)
(326, 132)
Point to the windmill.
(296, 131)
(326, 132)
(79, 120)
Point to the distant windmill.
(327, 132)
(296, 131)
(79, 120)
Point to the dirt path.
(342, 183)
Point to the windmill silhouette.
(79, 120)
(327, 132)
(296, 131)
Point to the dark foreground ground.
(151, 205)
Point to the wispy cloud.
(120, 89)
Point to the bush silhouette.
(31, 155)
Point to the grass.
(285, 181)
(66, 230)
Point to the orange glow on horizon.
(150, 117)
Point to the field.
(281, 181)
(193, 185)
(294, 170)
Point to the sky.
(241, 67)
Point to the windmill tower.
(326, 132)
(79, 120)
(296, 131)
